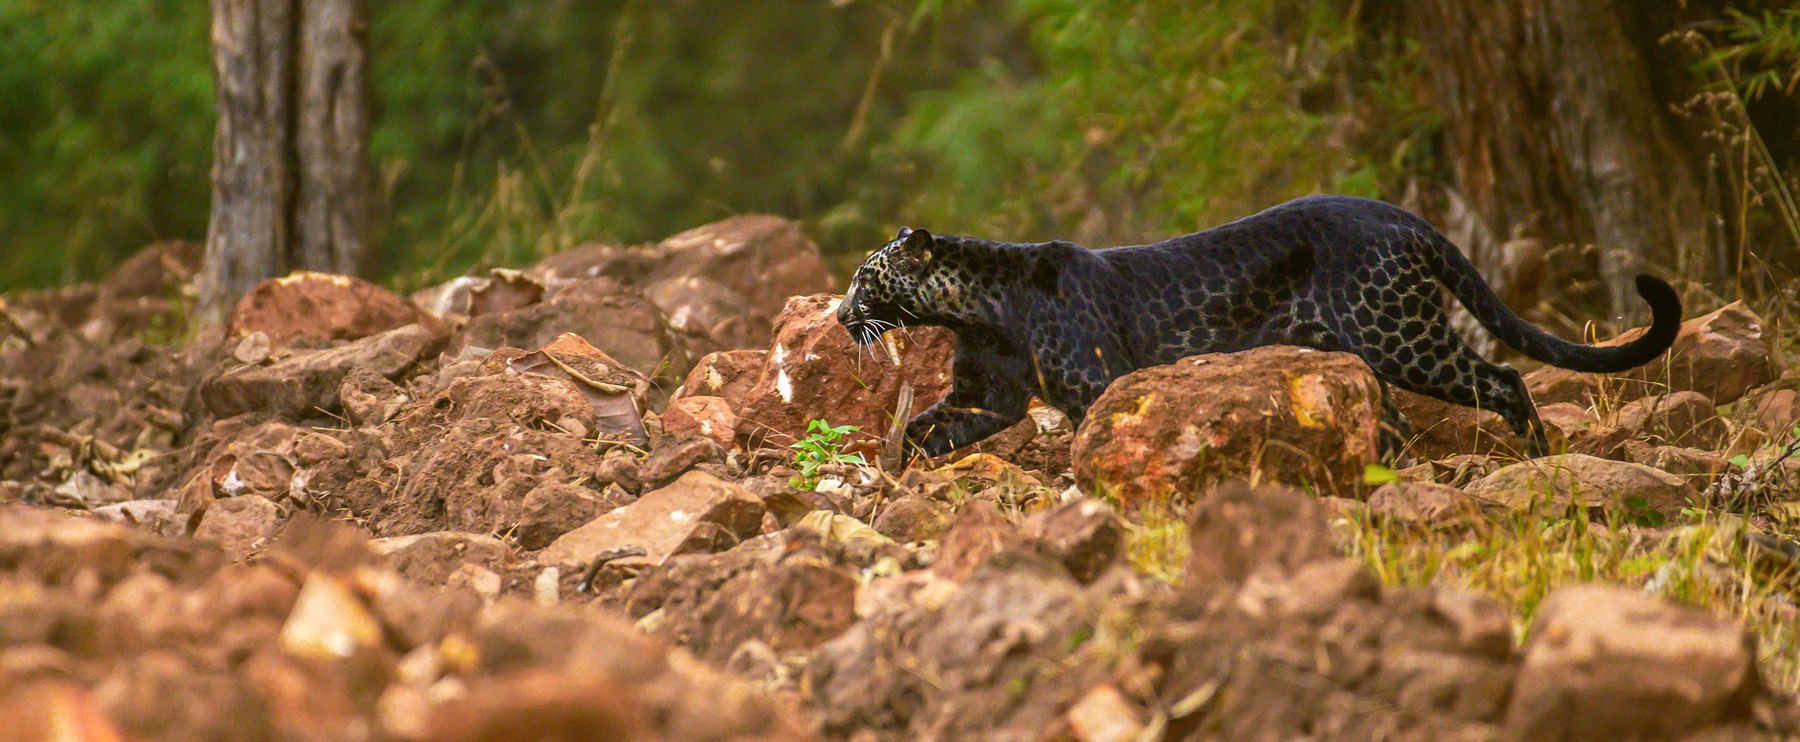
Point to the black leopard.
(1334, 273)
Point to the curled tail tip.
(1648, 285)
(1665, 303)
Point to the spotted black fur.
(1328, 272)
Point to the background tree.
(290, 152)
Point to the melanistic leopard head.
(888, 289)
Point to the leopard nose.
(843, 312)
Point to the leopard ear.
(919, 242)
(904, 231)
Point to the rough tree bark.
(332, 217)
(290, 152)
(1553, 129)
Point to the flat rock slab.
(1558, 482)
(303, 384)
(661, 522)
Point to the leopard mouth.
(863, 331)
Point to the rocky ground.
(587, 500)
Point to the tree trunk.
(247, 235)
(331, 221)
(290, 154)
(1553, 130)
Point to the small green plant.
(1376, 475)
(822, 445)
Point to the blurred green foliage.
(105, 132)
(507, 130)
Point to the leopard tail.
(1456, 272)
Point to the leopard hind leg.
(1393, 430)
(1427, 357)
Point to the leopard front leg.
(987, 394)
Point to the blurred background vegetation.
(508, 130)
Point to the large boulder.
(1560, 482)
(321, 307)
(708, 315)
(1722, 354)
(1607, 663)
(1280, 413)
(765, 258)
(813, 370)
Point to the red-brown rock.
(615, 392)
(370, 398)
(609, 315)
(814, 371)
(1567, 480)
(502, 290)
(1775, 407)
(1282, 413)
(554, 508)
(706, 417)
(911, 518)
(1700, 468)
(1443, 429)
(320, 307)
(662, 522)
(306, 384)
(1424, 503)
(765, 258)
(710, 316)
(432, 557)
(1575, 421)
(728, 375)
(240, 525)
(1681, 419)
(1084, 534)
(978, 532)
